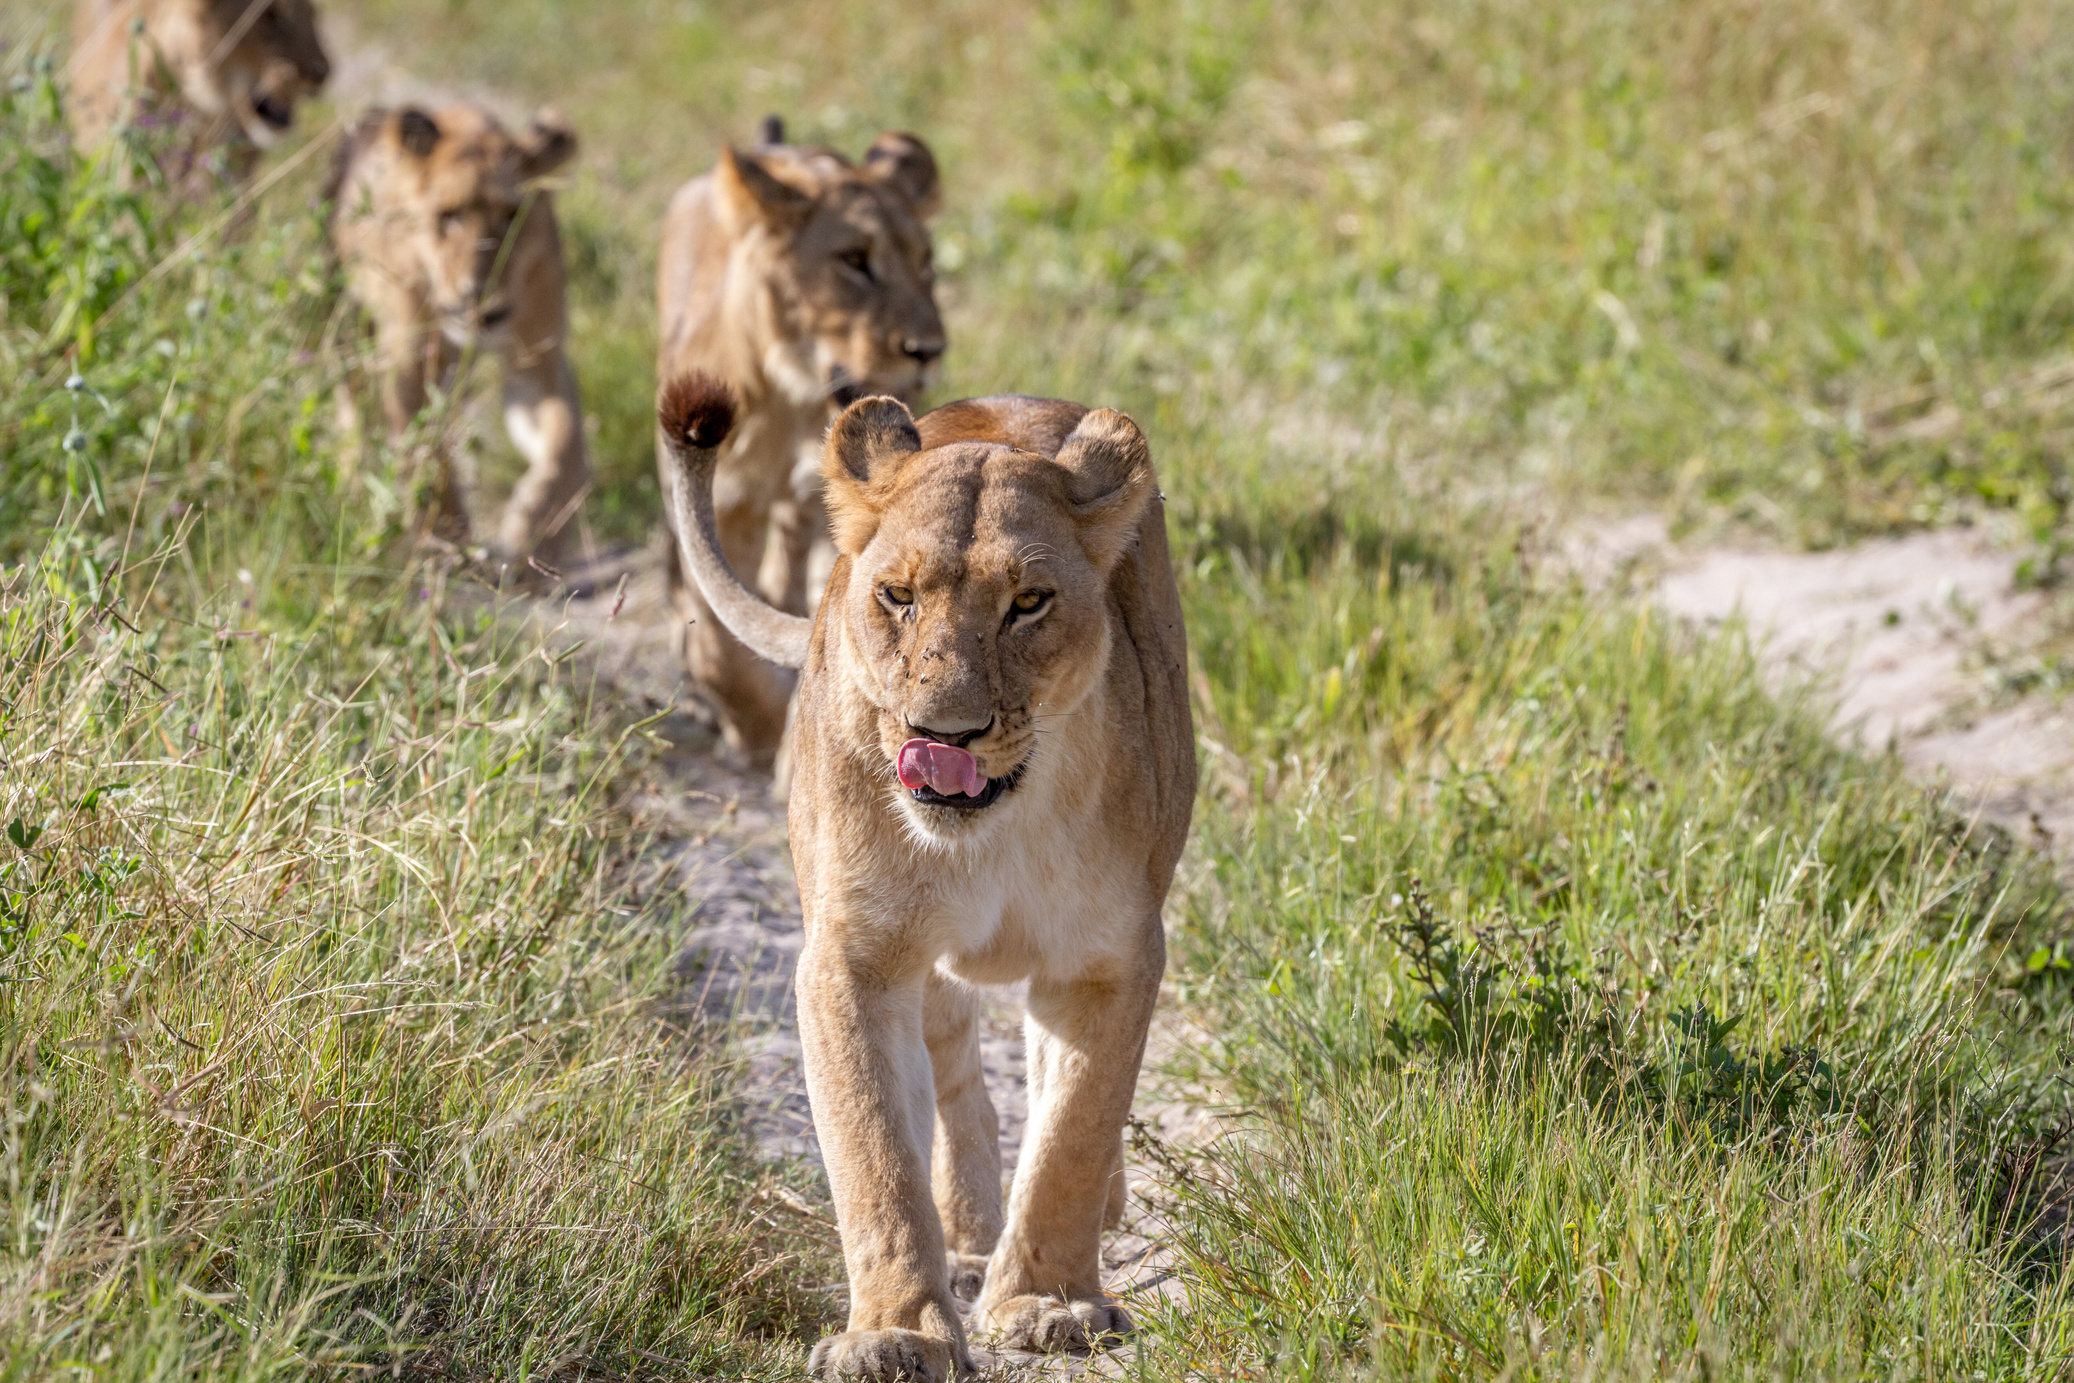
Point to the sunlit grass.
(338, 1021)
(1707, 1019)
(341, 1032)
(336, 1028)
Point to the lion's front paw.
(1049, 1325)
(968, 1274)
(881, 1356)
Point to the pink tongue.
(944, 767)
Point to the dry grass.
(339, 1029)
(342, 1032)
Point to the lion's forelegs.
(409, 358)
(545, 420)
(1086, 1038)
(967, 1152)
(797, 521)
(868, 1078)
(1112, 1212)
(402, 357)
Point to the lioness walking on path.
(801, 281)
(450, 244)
(993, 772)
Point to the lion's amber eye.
(897, 595)
(1030, 602)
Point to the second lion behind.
(802, 281)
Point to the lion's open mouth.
(988, 795)
(274, 112)
(944, 775)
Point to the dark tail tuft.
(772, 131)
(696, 410)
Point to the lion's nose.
(948, 731)
(922, 349)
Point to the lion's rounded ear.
(750, 193)
(903, 162)
(1109, 479)
(872, 436)
(871, 441)
(548, 143)
(417, 132)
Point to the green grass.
(335, 1033)
(1521, 1232)
(1796, 268)
(1585, 1011)
(1590, 1014)
(338, 1024)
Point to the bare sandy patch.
(1911, 635)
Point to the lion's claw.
(1049, 1325)
(884, 1356)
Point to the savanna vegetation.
(1584, 1010)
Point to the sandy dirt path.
(1926, 642)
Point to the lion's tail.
(695, 413)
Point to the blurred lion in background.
(449, 243)
(235, 68)
(802, 282)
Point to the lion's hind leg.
(965, 1172)
(544, 419)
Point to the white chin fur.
(806, 381)
(461, 333)
(235, 99)
(948, 828)
(261, 134)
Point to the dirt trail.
(1925, 640)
